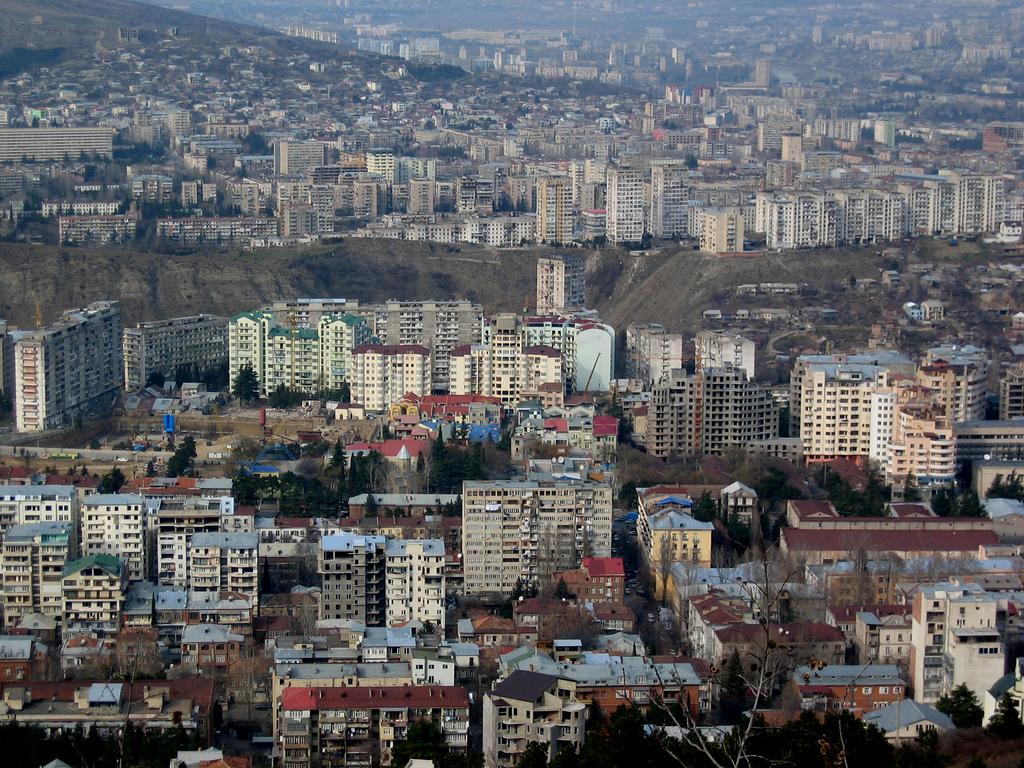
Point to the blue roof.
(679, 501)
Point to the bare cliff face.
(670, 286)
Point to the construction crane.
(39, 316)
(586, 387)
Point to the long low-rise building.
(37, 144)
(817, 547)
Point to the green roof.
(294, 333)
(256, 315)
(108, 563)
(348, 319)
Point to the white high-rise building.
(23, 504)
(625, 218)
(415, 588)
(796, 220)
(298, 158)
(69, 367)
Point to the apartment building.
(173, 521)
(359, 726)
(958, 379)
(505, 369)
(955, 640)
(531, 529)
(114, 524)
(625, 216)
(93, 590)
(922, 445)
(882, 637)
(1011, 393)
(339, 336)
(561, 283)
(17, 144)
(383, 373)
(554, 210)
(672, 427)
(896, 364)
(210, 647)
(216, 229)
(792, 221)
(529, 708)
(714, 349)
(669, 198)
(440, 326)
(21, 504)
(313, 351)
(598, 579)
(197, 192)
(422, 197)
(415, 581)
(298, 158)
(163, 346)
(32, 558)
(836, 409)
(353, 578)
(219, 562)
(68, 368)
(734, 410)
(98, 229)
(652, 352)
(721, 230)
(667, 532)
(869, 215)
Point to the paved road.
(98, 454)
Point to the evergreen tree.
(112, 481)
(705, 509)
(962, 707)
(1006, 722)
(562, 591)
(338, 456)
(969, 505)
(246, 387)
(910, 490)
(179, 463)
(534, 756)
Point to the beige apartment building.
(525, 529)
(21, 504)
(554, 210)
(114, 524)
(958, 378)
(721, 230)
(219, 562)
(383, 373)
(561, 283)
(93, 590)
(530, 708)
(836, 410)
(32, 558)
(923, 445)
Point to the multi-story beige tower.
(554, 210)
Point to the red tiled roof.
(800, 632)
(805, 508)
(598, 567)
(391, 448)
(804, 540)
(559, 425)
(415, 696)
(606, 426)
(293, 522)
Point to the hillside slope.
(672, 288)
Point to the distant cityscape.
(738, 482)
